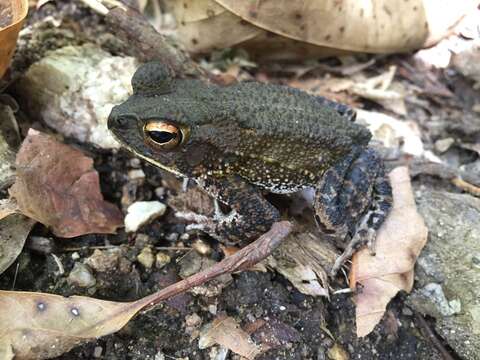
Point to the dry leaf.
(312, 26)
(399, 242)
(302, 258)
(14, 229)
(12, 14)
(57, 186)
(45, 326)
(225, 331)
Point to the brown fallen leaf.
(57, 186)
(226, 331)
(12, 14)
(312, 27)
(14, 229)
(399, 242)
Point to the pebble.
(146, 258)
(185, 236)
(135, 163)
(141, 213)
(136, 174)
(202, 247)
(162, 259)
(160, 192)
(172, 237)
(104, 260)
(443, 145)
(97, 352)
(81, 276)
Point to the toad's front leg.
(251, 215)
(352, 202)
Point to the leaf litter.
(46, 325)
(57, 186)
(379, 278)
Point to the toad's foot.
(250, 217)
(208, 224)
(365, 235)
(351, 202)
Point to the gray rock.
(448, 271)
(74, 88)
(81, 276)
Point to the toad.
(241, 140)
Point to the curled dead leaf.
(14, 229)
(57, 186)
(399, 242)
(12, 14)
(282, 29)
(227, 332)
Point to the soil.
(304, 327)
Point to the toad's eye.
(163, 135)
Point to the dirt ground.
(297, 326)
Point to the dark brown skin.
(235, 141)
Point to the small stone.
(336, 352)
(75, 256)
(97, 352)
(146, 258)
(142, 212)
(160, 356)
(212, 309)
(81, 276)
(160, 192)
(202, 247)
(135, 163)
(104, 260)
(192, 323)
(141, 241)
(407, 311)
(193, 320)
(162, 259)
(136, 174)
(172, 237)
(185, 236)
(443, 145)
(40, 244)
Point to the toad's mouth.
(146, 158)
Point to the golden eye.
(163, 134)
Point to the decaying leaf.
(302, 258)
(12, 14)
(226, 331)
(14, 229)
(57, 186)
(312, 25)
(42, 326)
(399, 242)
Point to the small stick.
(465, 186)
(430, 335)
(242, 260)
(148, 44)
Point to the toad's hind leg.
(352, 203)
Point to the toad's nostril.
(117, 121)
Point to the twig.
(241, 260)
(465, 186)
(106, 247)
(430, 335)
(148, 44)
